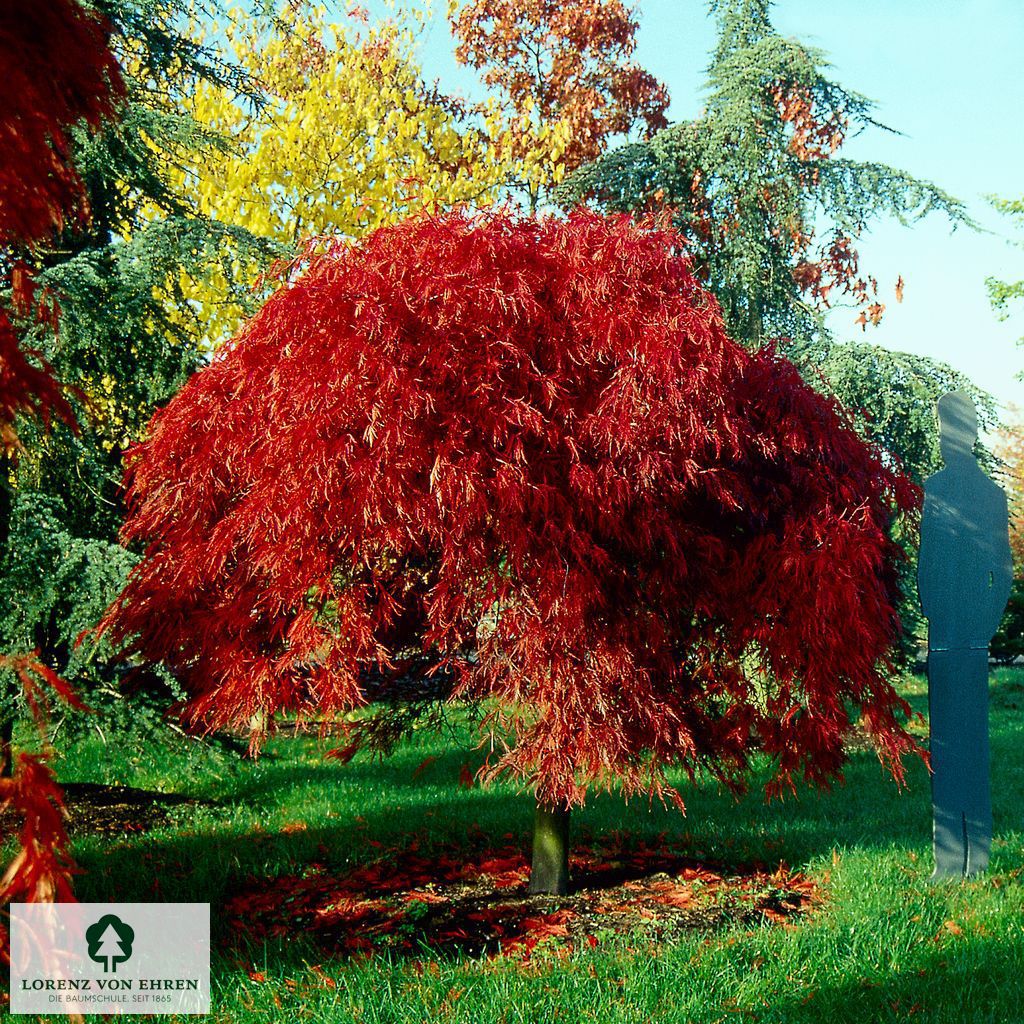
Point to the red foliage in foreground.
(41, 869)
(525, 450)
(58, 70)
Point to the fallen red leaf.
(423, 896)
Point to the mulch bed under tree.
(455, 901)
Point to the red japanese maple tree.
(524, 451)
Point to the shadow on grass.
(960, 980)
(868, 810)
(198, 855)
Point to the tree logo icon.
(110, 942)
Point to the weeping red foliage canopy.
(527, 451)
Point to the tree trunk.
(257, 731)
(550, 871)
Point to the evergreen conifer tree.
(770, 209)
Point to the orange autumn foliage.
(562, 62)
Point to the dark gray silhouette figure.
(964, 576)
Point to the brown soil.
(95, 809)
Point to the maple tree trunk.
(550, 870)
(257, 727)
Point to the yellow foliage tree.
(348, 139)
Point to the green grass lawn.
(882, 946)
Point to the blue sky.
(944, 73)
